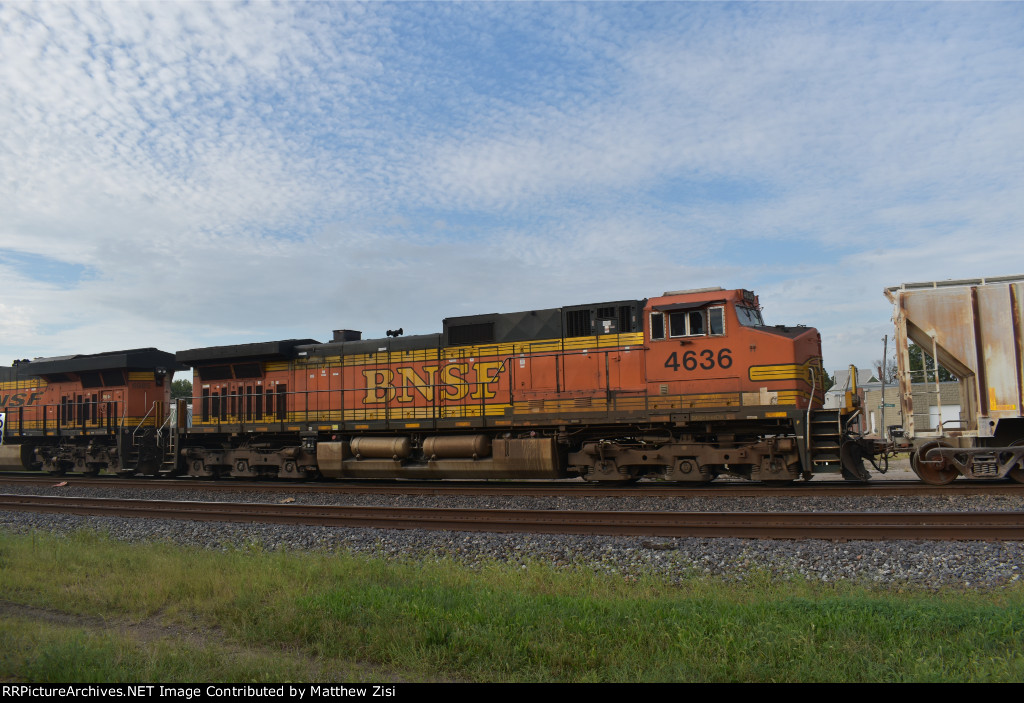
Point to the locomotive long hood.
(283, 349)
(128, 359)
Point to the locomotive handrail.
(221, 408)
(142, 421)
(159, 432)
(466, 397)
(221, 411)
(849, 420)
(497, 372)
(810, 405)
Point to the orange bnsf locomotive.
(682, 387)
(87, 412)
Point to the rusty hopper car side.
(685, 386)
(973, 329)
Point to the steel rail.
(540, 488)
(777, 525)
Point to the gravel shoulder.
(904, 563)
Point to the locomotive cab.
(733, 393)
(710, 347)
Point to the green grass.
(58, 653)
(85, 608)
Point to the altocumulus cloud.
(183, 174)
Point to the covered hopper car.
(685, 387)
(972, 328)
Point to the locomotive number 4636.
(705, 359)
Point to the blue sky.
(188, 174)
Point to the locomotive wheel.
(612, 481)
(59, 467)
(1017, 472)
(937, 473)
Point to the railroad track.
(538, 488)
(776, 525)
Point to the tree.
(890, 373)
(826, 381)
(181, 388)
(920, 361)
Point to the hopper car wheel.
(937, 473)
(1017, 472)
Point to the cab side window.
(657, 325)
(689, 323)
(696, 323)
(686, 324)
(677, 324)
(716, 321)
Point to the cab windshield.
(749, 317)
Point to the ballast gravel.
(904, 563)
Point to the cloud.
(217, 173)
